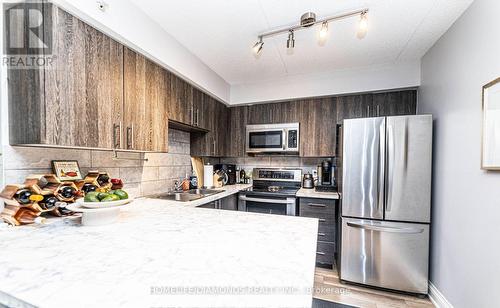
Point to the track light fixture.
(309, 19)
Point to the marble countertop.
(163, 255)
(312, 193)
(226, 191)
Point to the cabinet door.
(180, 104)
(318, 133)
(354, 106)
(202, 108)
(260, 114)
(202, 144)
(83, 97)
(238, 117)
(145, 124)
(26, 99)
(396, 103)
(104, 86)
(221, 130)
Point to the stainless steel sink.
(204, 191)
(190, 195)
(183, 197)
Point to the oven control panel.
(292, 175)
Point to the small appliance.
(229, 170)
(326, 177)
(273, 192)
(308, 181)
(273, 138)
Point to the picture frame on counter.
(490, 144)
(67, 170)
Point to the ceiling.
(222, 32)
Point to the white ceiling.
(222, 32)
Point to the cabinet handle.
(213, 143)
(197, 117)
(320, 253)
(321, 234)
(116, 136)
(132, 137)
(378, 110)
(129, 135)
(368, 110)
(322, 220)
(316, 205)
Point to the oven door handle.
(260, 200)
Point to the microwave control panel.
(292, 139)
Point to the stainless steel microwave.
(273, 138)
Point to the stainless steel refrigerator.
(386, 197)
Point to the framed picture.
(67, 170)
(490, 152)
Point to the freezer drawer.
(385, 254)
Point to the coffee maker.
(326, 177)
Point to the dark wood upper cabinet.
(77, 102)
(395, 103)
(237, 119)
(353, 106)
(203, 107)
(180, 104)
(221, 129)
(318, 128)
(145, 126)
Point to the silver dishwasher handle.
(290, 201)
(384, 229)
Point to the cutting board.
(197, 163)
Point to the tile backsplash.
(307, 164)
(141, 177)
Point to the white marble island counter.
(162, 255)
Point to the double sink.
(189, 195)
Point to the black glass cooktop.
(273, 191)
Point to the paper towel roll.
(208, 176)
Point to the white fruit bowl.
(98, 216)
(103, 205)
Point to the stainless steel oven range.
(273, 192)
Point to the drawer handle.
(322, 220)
(321, 234)
(316, 205)
(320, 253)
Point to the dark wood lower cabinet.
(229, 203)
(326, 211)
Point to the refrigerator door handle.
(385, 229)
(390, 167)
(381, 168)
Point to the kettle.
(308, 181)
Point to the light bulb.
(257, 48)
(323, 33)
(290, 43)
(363, 25)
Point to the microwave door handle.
(285, 137)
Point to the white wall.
(128, 24)
(365, 79)
(465, 257)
